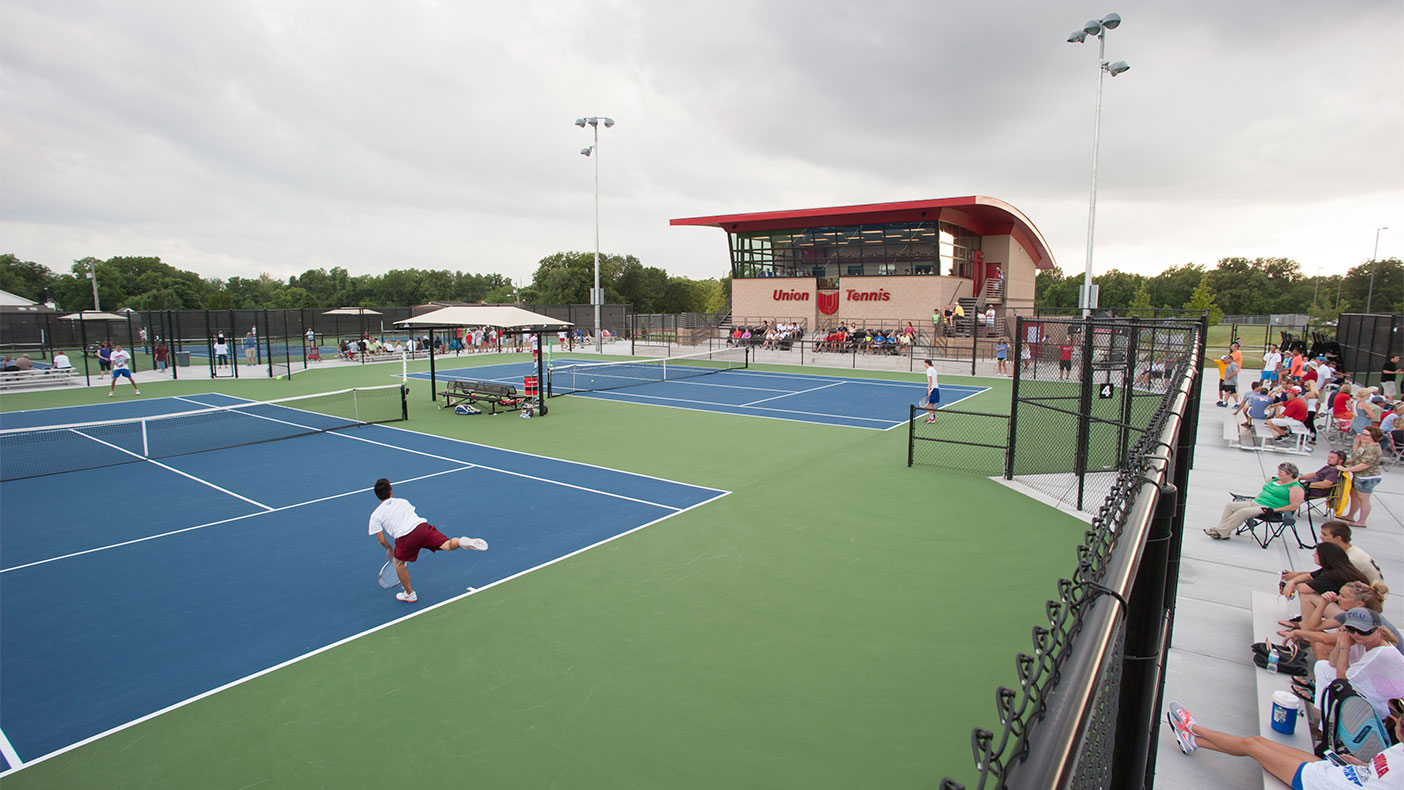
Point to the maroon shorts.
(424, 536)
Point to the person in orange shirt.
(1237, 354)
(1298, 361)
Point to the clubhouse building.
(881, 263)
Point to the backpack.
(1349, 724)
(1291, 659)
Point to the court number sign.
(1106, 391)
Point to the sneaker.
(138, 392)
(930, 420)
(412, 597)
(1180, 721)
(477, 544)
(1220, 403)
(110, 394)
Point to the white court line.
(796, 392)
(199, 480)
(610, 395)
(388, 427)
(460, 461)
(8, 751)
(417, 613)
(466, 466)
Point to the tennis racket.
(388, 577)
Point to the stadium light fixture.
(596, 296)
(1374, 258)
(1098, 28)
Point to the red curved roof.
(983, 215)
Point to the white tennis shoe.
(473, 543)
(407, 597)
(1180, 720)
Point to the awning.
(93, 315)
(353, 311)
(499, 316)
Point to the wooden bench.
(16, 379)
(492, 394)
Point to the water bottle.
(1272, 657)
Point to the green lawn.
(798, 633)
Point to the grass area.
(792, 634)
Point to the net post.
(145, 441)
(911, 432)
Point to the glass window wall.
(904, 248)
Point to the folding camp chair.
(1272, 526)
(1329, 506)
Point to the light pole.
(1374, 258)
(1087, 299)
(92, 275)
(596, 296)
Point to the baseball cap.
(1362, 619)
(1295, 390)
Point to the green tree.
(1174, 286)
(1203, 299)
(1141, 302)
(31, 280)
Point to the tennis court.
(718, 382)
(792, 633)
(159, 570)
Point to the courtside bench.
(1263, 436)
(1267, 609)
(473, 393)
(19, 379)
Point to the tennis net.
(54, 449)
(589, 377)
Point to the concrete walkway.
(1210, 667)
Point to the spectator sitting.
(1255, 404)
(1289, 414)
(1334, 570)
(1392, 426)
(1365, 655)
(8, 364)
(1338, 532)
(1292, 766)
(1328, 614)
(61, 362)
(1340, 404)
(1319, 483)
(1281, 494)
(24, 362)
(736, 336)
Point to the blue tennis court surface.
(877, 404)
(131, 588)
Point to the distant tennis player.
(397, 519)
(933, 391)
(120, 370)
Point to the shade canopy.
(499, 316)
(93, 315)
(353, 311)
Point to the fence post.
(911, 431)
(1009, 441)
(1084, 406)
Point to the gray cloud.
(235, 138)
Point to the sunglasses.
(1396, 706)
(1358, 632)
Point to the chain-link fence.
(1085, 713)
(1084, 393)
(969, 441)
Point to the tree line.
(1237, 286)
(148, 283)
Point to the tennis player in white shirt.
(396, 518)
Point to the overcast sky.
(234, 138)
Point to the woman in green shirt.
(1282, 494)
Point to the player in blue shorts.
(120, 370)
(933, 391)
